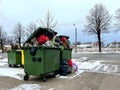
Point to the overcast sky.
(65, 12)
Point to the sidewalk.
(85, 81)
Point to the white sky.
(65, 12)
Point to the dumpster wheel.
(10, 65)
(15, 65)
(44, 79)
(26, 77)
(55, 73)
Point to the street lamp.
(75, 37)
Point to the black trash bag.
(63, 62)
(50, 34)
(63, 70)
(33, 51)
(57, 39)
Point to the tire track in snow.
(107, 68)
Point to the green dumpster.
(65, 53)
(65, 56)
(14, 58)
(41, 61)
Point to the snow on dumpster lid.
(40, 31)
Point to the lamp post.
(75, 37)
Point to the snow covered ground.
(83, 63)
(95, 50)
(27, 87)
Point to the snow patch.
(51, 89)
(83, 64)
(27, 87)
(1, 57)
(17, 73)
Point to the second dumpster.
(65, 55)
(14, 58)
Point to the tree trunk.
(2, 46)
(19, 42)
(99, 42)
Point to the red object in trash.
(70, 63)
(63, 39)
(42, 39)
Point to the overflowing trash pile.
(47, 37)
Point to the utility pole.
(75, 37)
(1, 42)
(19, 38)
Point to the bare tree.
(30, 28)
(98, 21)
(117, 16)
(3, 37)
(10, 40)
(48, 21)
(18, 33)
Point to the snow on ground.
(17, 73)
(107, 68)
(27, 87)
(95, 50)
(83, 64)
(86, 64)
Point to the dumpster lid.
(67, 37)
(40, 31)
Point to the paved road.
(98, 56)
